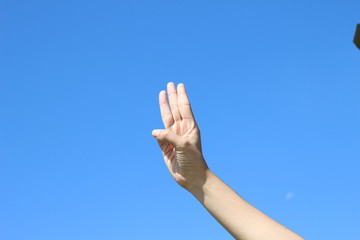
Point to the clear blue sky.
(275, 88)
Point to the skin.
(180, 144)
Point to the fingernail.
(156, 133)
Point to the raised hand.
(180, 140)
(181, 147)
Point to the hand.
(180, 140)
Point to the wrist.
(198, 188)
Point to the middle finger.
(173, 98)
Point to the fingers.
(173, 98)
(180, 107)
(183, 103)
(166, 114)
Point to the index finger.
(184, 104)
(166, 114)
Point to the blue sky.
(274, 87)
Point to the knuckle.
(173, 105)
(184, 104)
(165, 133)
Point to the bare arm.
(240, 219)
(181, 147)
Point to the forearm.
(241, 220)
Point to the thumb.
(166, 135)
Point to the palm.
(171, 156)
